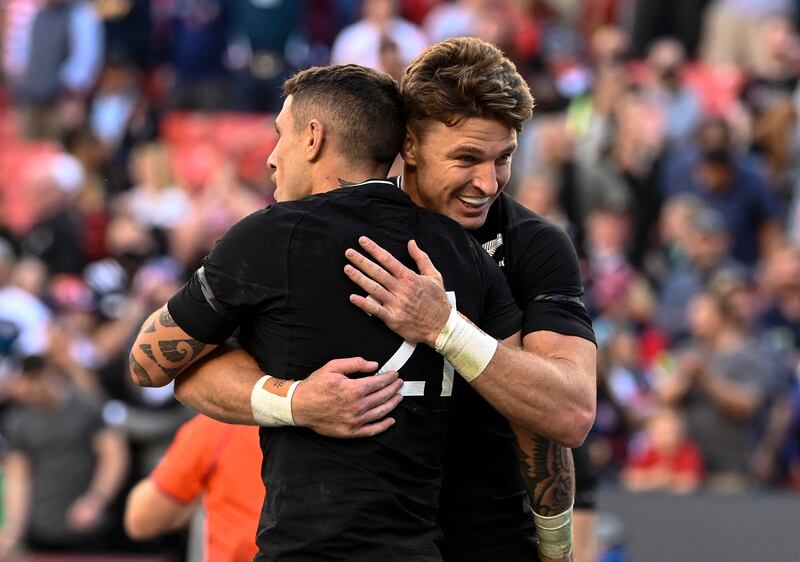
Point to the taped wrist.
(271, 401)
(555, 534)
(468, 349)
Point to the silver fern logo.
(492, 245)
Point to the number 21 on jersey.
(403, 354)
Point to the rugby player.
(455, 165)
(270, 277)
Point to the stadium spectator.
(454, 19)
(55, 236)
(199, 39)
(703, 249)
(24, 317)
(680, 106)
(731, 29)
(664, 458)
(720, 386)
(64, 467)
(155, 201)
(63, 55)
(360, 42)
(780, 319)
(264, 31)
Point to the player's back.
(361, 499)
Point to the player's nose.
(272, 163)
(485, 179)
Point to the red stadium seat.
(18, 160)
(200, 141)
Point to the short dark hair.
(462, 78)
(363, 109)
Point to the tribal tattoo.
(548, 474)
(166, 319)
(139, 371)
(171, 356)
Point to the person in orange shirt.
(222, 462)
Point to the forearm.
(150, 513)
(737, 401)
(163, 350)
(112, 465)
(17, 494)
(548, 474)
(220, 386)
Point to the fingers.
(373, 288)
(387, 260)
(373, 428)
(374, 383)
(380, 400)
(353, 365)
(370, 268)
(382, 410)
(424, 263)
(370, 306)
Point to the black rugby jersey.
(485, 511)
(278, 275)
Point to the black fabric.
(586, 478)
(278, 273)
(485, 511)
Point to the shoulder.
(197, 440)
(271, 226)
(526, 226)
(534, 238)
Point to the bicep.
(578, 352)
(163, 349)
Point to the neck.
(727, 338)
(330, 177)
(408, 182)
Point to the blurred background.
(133, 133)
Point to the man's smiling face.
(461, 169)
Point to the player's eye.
(504, 159)
(467, 159)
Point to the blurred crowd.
(133, 133)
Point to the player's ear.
(314, 140)
(410, 148)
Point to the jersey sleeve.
(184, 469)
(547, 283)
(244, 274)
(501, 316)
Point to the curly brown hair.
(462, 78)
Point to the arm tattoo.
(138, 370)
(174, 351)
(150, 329)
(548, 474)
(166, 319)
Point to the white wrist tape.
(555, 534)
(271, 401)
(466, 347)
